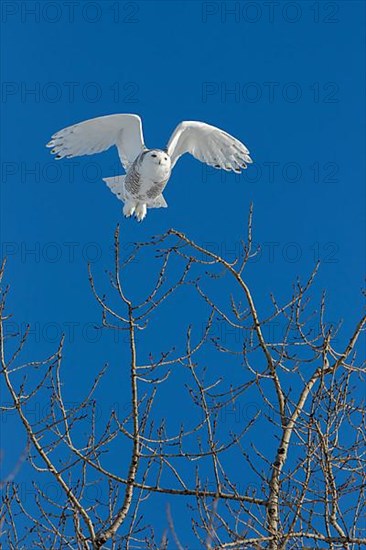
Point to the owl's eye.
(153, 155)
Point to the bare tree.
(270, 454)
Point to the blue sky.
(287, 79)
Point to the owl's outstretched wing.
(208, 144)
(99, 134)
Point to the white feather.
(208, 144)
(99, 134)
(117, 185)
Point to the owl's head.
(157, 157)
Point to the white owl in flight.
(148, 170)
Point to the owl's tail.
(117, 185)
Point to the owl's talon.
(129, 209)
(140, 211)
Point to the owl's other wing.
(208, 144)
(99, 134)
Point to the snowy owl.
(147, 170)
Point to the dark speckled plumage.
(132, 181)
